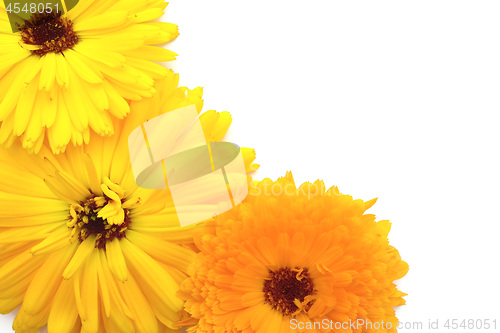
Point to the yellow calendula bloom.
(292, 259)
(82, 248)
(62, 77)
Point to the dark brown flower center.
(286, 287)
(51, 32)
(85, 219)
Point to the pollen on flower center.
(286, 289)
(51, 32)
(105, 217)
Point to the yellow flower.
(82, 245)
(290, 258)
(61, 78)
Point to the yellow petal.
(14, 84)
(14, 235)
(46, 105)
(16, 206)
(48, 74)
(146, 320)
(9, 59)
(118, 106)
(25, 107)
(89, 293)
(171, 254)
(116, 261)
(103, 21)
(215, 124)
(26, 221)
(167, 32)
(157, 285)
(46, 282)
(56, 241)
(98, 95)
(63, 315)
(59, 189)
(84, 250)
(10, 304)
(82, 67)
(62, 73)
(152, 69)
(107, 57)
(148, 15)
(152, 53)
(59, 133)
(117, 301)
(103, 286)
(18, 269)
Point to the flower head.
(62, 76)
(290, 253)
(82, 245)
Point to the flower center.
(289, 290)
(50, 32)
(105, 217)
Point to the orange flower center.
(286, 289)
(50, 32)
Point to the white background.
(391, 99)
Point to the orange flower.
(290, 258)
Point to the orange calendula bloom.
(289, 258)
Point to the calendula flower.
(289, 258)
(64, 75)
(82, 248)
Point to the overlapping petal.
(293, 253)
(53, 258)
(58, 98)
